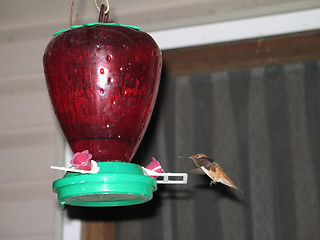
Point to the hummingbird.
(212, 169)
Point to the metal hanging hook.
(71, 15)
(107, 5)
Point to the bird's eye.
(198, 156)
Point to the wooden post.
(97, 230)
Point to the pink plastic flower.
(82, 160)
(154, 166)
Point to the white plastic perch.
(168, 178)
(95, 168)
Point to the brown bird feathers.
(212, 169)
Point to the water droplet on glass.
(102, 91)
(109, 58)
(101, 70)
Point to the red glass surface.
(103, 82)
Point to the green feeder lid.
(116, 184)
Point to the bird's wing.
(210, 166)
(197, 171)
(202, 162)
(213, 167)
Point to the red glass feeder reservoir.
(103, 81)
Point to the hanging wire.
(107, 5)
(71, 15)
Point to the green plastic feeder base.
(116, 184)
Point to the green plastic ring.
(116, 184)
(96, 24)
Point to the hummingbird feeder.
(103, 81)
